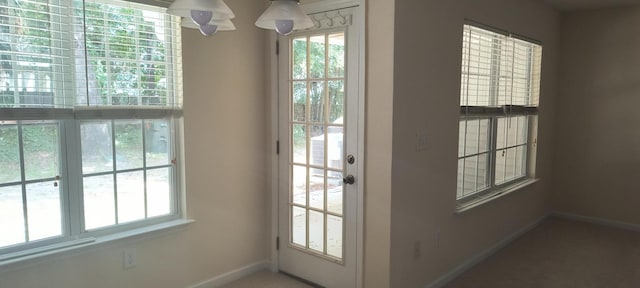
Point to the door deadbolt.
(349, 179)
(351, 159)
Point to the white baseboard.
(231, 276)
(469, 263)
(595, 220)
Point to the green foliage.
(129, 140)
(299, 135)
(125, 55)
(40, 150)
(311, 50)
(40, 144)
(32, 30)
(9, 153)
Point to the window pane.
(99, 201)
(512, 131)
(316, 57)
(131, 204)
(43, 210)
(509, 164)
(335, 149)
(336, 101)
(300, 143)
(128, 144)
(157, 137)
(523, 130)
(317, 145)
(97, 149)
(483, 172)
(500, 166)
(471, 137)
(11, 216)
(9, 154)
(299, 101)
(470, 175)
(299, 182)
(41, 148)
(299, 58)
(460, 189)
(299, 225)
(521, 157)
(334, 236)
(462, 140)
(316, 102)
(474, 137)
(336, 55)
(316, 231)
(335, 193)
(316, 188)
(158, 192)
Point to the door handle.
(349, 179)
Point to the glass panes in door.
(316, 125)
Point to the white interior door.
(319, 88)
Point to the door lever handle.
(349, 179)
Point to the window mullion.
(114, 169)
(71, 170)
(23, 186)
(493, 144)
(144, 169)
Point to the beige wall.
(598, 142)
(226, 183)
(426, 89)
(378, 139)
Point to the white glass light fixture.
(223, 25)
(209, 16)
(284, 16)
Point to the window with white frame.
(499, 92)
(90, 105)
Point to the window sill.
(464, 207)
(61, 249)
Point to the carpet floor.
(267, 279)
(558, 253)
(561, 253)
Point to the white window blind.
(35, 63)
(499, 70)
(131, 55)
(499, 94)
(68, 54)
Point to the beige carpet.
(561, 253)
(266, 279)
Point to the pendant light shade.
(284, 16)
(223, 25)
(183, 8)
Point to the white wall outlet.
(421, 141)
(129, 258)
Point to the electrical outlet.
(129, 258)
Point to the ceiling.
(566, 5)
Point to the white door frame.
(315, 7)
